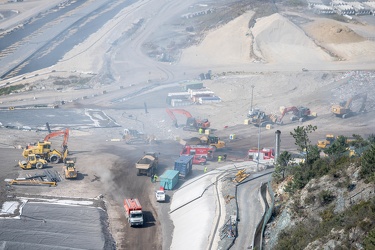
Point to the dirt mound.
(276, 39)
(329, 31)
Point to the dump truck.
(33, 161)
(70, 171)
(133, 212)
(148, 164)
(160, 195)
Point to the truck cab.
(160, 195)
(133, 212)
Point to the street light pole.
(252, 95)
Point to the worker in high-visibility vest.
(155, 177)
(205, 169)
(219, 158)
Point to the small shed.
(169, 179)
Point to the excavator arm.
(171, 113)
(65, 133)
(287, 110)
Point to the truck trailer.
(133, 212)
(184, 165)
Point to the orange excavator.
(64, 132)
(299, 113)
(192, 124)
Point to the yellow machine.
(43, 149)
(344, 109)
(325, 143)
(212, 141)
(33, 161)
(70, 171)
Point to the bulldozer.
(212, 141)
(33, 161)
(70, 171)
(327, 142)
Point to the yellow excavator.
(327, 142)
(345, 110)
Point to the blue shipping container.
(169, 179)
(184, 165)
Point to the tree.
(302, 140)
(368, 164)
(337, 148)
(282, 166)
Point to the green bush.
(326, 197)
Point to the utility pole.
(252, 95)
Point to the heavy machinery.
(264, 153)
(258, 117)
(132, 136)
(43, 149)
(192, 124)
(327, 142)
(299, 113)
(213, 141)
(33, 161)
(133, 212)
(148, 164)
(345, 109)
(70, 171)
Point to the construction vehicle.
(43, 149)
(260, 118)
(133, 212)
(70, 171)
(160, 195)
(213, 141)
(299, 113)
(33, 161)
(264, 154)
(132, 136)
(345, 109)
(200, 150)
(148, 164)
(327, 142)
(192, 124)
(184, 165)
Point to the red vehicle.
(199, 150)
(199, 160)
(133, 212)
(264, 154)
(192, 124)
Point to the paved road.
(250, 210)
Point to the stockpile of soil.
(329, 31)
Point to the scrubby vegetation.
(354, 223)
(10, 89)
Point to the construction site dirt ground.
(106, 164)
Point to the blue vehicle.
(184, 165)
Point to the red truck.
(264, 154)
(133, 212)
(199, 150)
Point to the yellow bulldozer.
(33, 161)
(212, 141)
(327, 142)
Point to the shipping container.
(213, 99)
(180, 102)
(169, 179)
(184, 165)
(196, 85)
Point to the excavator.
(258, 117)
(43, 149)
(299, 113)
(344, 109)
(192, 124)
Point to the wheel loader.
(33, 161)
(70, 171)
